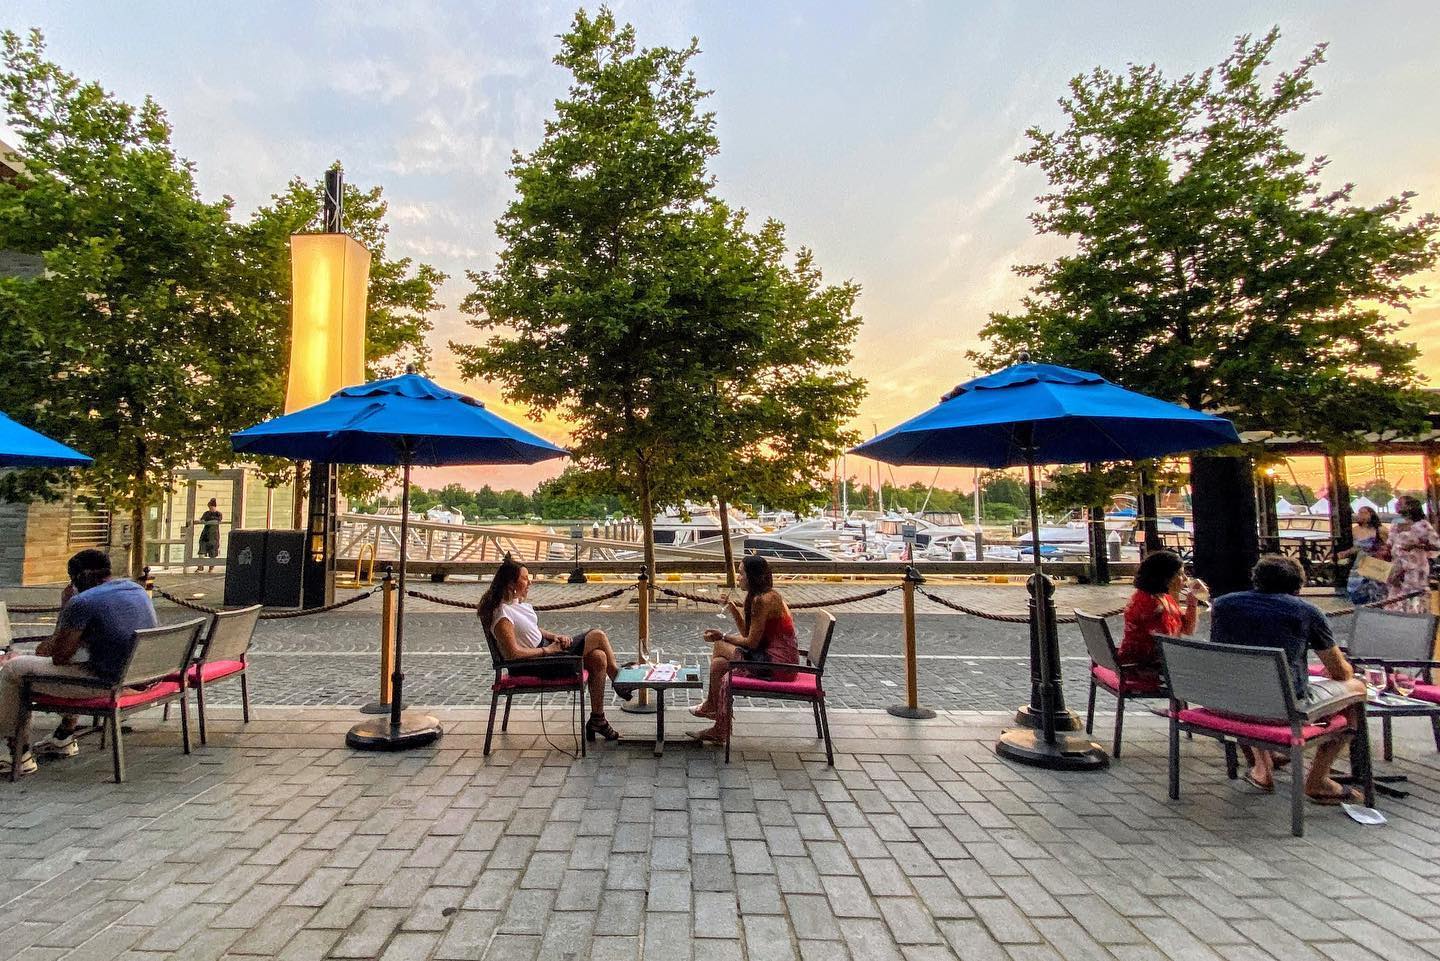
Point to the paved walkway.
(918, 844)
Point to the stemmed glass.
(1404, 682)
(724, 612)
(1375, 678)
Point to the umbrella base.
(380, 707)
(913, 713)
(1066, 754)
(414, 730)
(1065, 720)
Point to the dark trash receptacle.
(245, 568)
(283, 566)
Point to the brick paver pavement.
(918, 844)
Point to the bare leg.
(1262, 768)
(720, 658)
(597, 641)
(595, 664)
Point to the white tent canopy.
(1284, 508)
(1322, 506)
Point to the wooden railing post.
(911, 708)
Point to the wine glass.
(724, 612)
(1375, 678)
(1404, 682)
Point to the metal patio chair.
(1246, 696)
(1125, 683)
(507, 683)
(807, 685)
(147, 680)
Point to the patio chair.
(145, 681)
(1395, 639)
(224, 654)
(807, 685)
(507, 684)
(1125, 683)
(1246, 696)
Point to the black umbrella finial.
(1024, 355)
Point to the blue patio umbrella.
(22, 447)
(404, 421)
(1030, 414)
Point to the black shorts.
(536, 667)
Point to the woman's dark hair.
(506, 575)
(758, 580)
(213, 503)
(1157, 570)
(1277, 574)
(1411, 509)
(1373, 522)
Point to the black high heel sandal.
(600, 726)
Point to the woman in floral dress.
(1413, 542)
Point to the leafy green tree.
(777, 412)
(1210, 265)
(635, 297)
(127, 345)
(160, 325)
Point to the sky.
(882, 134)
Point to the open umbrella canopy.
(1066, 416)
(394, 421)
(22, 447)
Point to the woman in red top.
(767, 633)
(1154, 608)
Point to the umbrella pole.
(397, 679)
(402, 729)
(1050, 749)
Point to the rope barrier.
(467, 605)
(703, 599)
(269, 615)
(1006, 618)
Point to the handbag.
(1373, 568)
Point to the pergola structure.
(1425, 445)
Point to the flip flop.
(1258, 784)
(1349, 795)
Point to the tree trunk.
(1227, 544)
(647, 520)
(725, 536)
(297, 504)
(137, 539)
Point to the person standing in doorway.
(210, 533)
(1413, 542)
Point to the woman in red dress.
(766, 633)
(1154, 608)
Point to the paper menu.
(662, 672)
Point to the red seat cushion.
(529, 682)
(1136, 681)
(1427, 692)
(1259, 730)
(801, 685)
(155, 692)
(212, 671)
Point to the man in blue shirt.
(94, 637)
(1273, 615)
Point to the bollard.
(641, 702)
(388, 590)
(911, 708)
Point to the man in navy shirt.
(1273, 615)
(94, 637)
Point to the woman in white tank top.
(513, 623)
